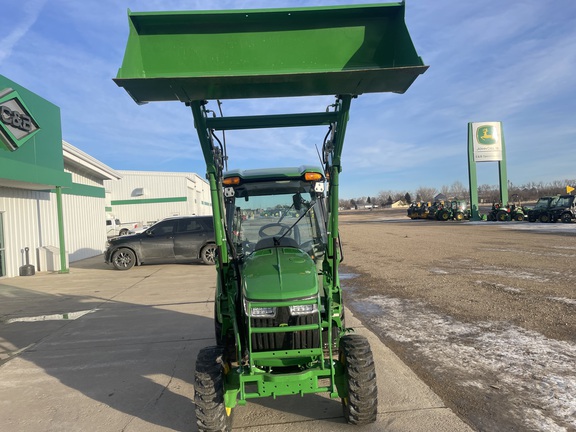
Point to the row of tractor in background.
(547, 209)
(439, 210)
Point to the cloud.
(30, 11)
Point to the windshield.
(542, 203)
(259, 216)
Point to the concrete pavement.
(104, 350)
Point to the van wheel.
(123, 259)
(566, 218)
(544, 218)
(360, 405)
(208, 254)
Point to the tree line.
(528, 192)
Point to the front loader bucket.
(199, 55)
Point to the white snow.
(496, 356)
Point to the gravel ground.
(483, 312)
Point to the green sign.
(17, 125)
(486, 135)
(487, 141)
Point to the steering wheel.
(273, 230)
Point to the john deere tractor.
(278, 309)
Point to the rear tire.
(519, 217)
(208, 254)
(566, 218)
(544, 218)
(361, 405)
(444, 215)
(459, 216)
(123, 259)
(209, 391)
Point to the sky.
(512, 61)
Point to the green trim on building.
(150, 201)
(108, 209)
(84, 190)
(29, 173)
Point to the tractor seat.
(268, 242)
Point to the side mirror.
(150, 233)
(297, 201)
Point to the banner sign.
(487, 140)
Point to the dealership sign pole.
(486, 144)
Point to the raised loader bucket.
(200, 55)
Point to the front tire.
(211, 415)
(360, 406)
(123, 259)
(566, 218)
(544, 218)
(208, 254)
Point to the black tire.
(502, 216)
(566, 218)
(531, 218)
(460, 216)
(544, 218)
(444, 215)
(209, 392)
(519, 217)
(208, 254)
(123, 259)
(361, 405)
(491, 217)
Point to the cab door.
(157, 244)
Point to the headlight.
(259, 312)
(303, 309)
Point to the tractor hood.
(279, 273)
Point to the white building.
(148, 196)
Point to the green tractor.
(455, 210)
(278, 310)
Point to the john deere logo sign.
(487, 142)
(16, 123)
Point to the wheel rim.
(123, 259)
(210, 254)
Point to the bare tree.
(426, 193)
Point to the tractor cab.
(276, 208)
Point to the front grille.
(285, 340)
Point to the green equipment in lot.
(454, 210)
(553, 208)
(279, 312)
(514, 212)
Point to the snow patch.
(496, 354)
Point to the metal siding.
(85, 226)
(157, 185)
(27, 223)
(31, 220)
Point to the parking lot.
(483, 312)
(105, 350)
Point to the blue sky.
(509, 61)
